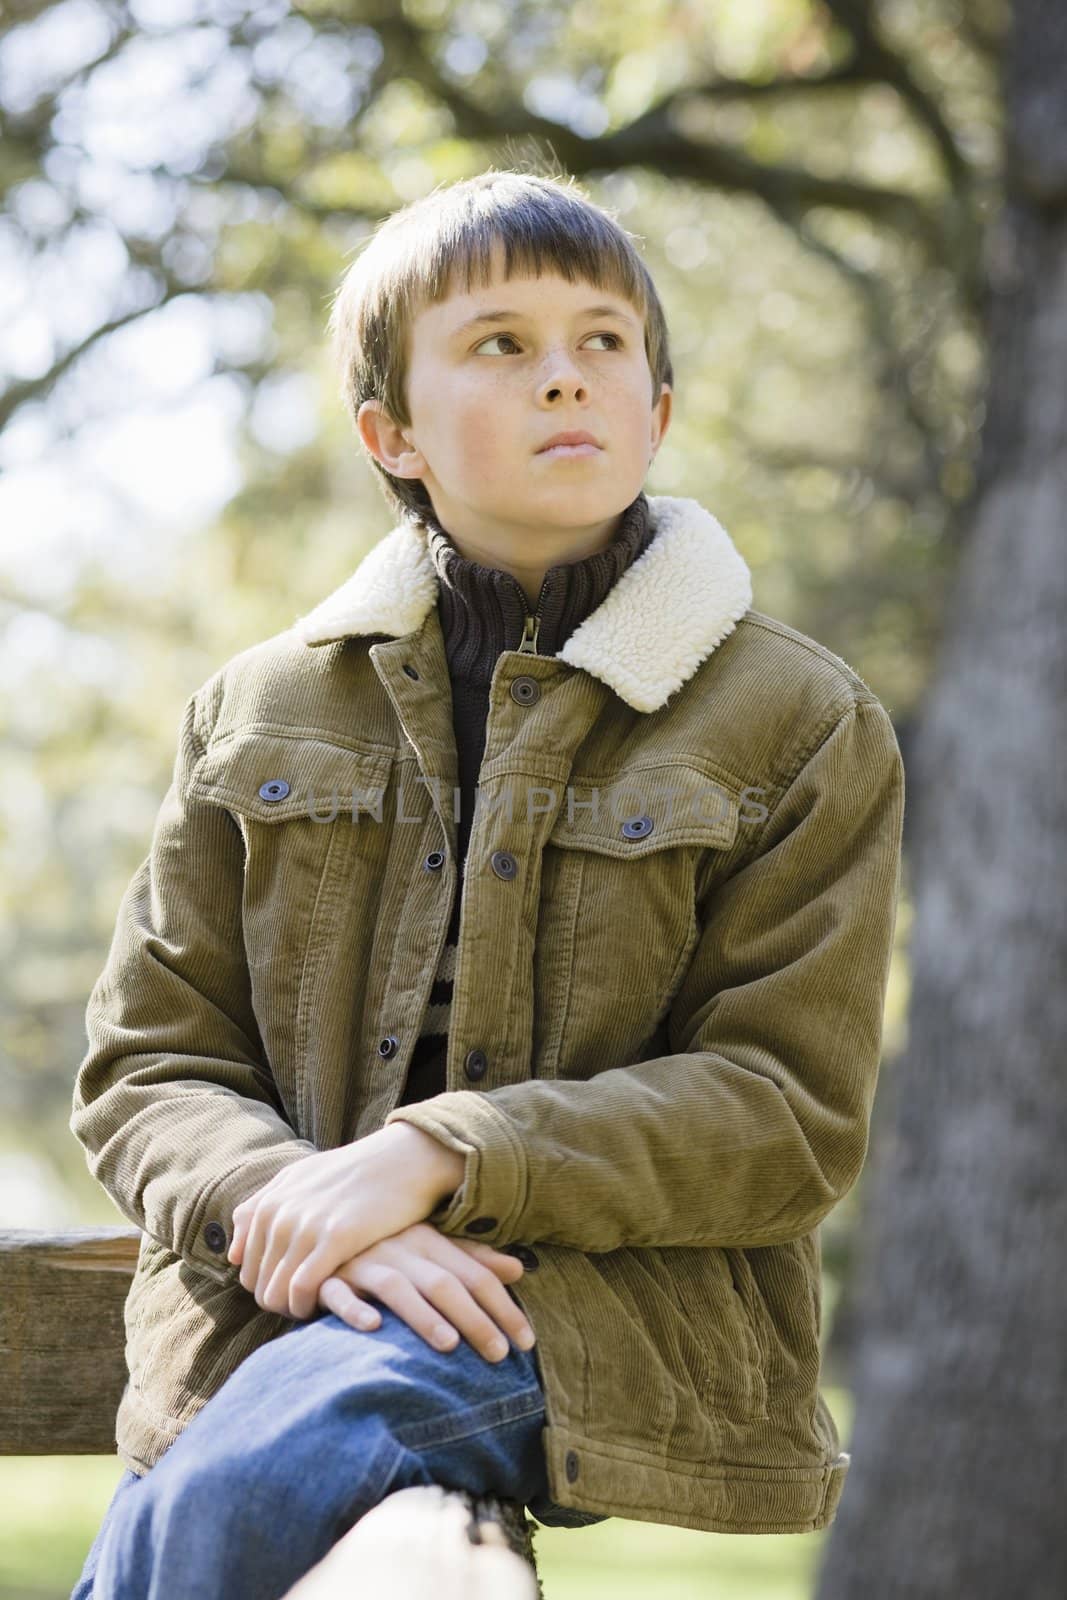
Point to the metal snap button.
(481, 1225)
(477, 1064)
(637, 827)
(389, 1047)
(503, 864)
(215, 1237)
(273, 789)
(525, 691)
(434, 860)
(410, 670)
(523, 1253)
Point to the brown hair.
(544, 224)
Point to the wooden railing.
(62, 1373)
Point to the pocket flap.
(273, 777)
(647, 810)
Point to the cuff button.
(481, 1225)
(215, 1237)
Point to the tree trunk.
(958, 1476)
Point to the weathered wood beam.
(62, 1338)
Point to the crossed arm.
(316, 1214)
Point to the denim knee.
(310, 1432)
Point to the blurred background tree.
(819, 188)
(960, 1372)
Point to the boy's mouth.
(569, 438)
(565, 452)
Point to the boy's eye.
(511, 340)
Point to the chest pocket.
(622, 871)
(270, 777)
(315, 819)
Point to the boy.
(589, 1059)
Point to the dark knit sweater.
(482, 612)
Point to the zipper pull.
(528, 643)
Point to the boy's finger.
(306, 1278)
(252, 1255)
(490, 1257)
(336, 1296)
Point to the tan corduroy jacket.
(666, 1019)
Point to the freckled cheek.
(635, 427)
(477, 446)
(480, 435)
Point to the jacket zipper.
(532, 627)
(528, 643)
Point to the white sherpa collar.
(665, 615)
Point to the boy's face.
(484, 399)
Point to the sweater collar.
(484, 609)
(669, 610)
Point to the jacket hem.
(716, 1498)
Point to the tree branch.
(653, 140)
(879, 63)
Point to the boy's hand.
(437, 1285)
(294, 1232)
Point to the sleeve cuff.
(490, 1202)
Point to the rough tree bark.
(960, 1373)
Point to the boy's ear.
(387, 441)
(661, 416)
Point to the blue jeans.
(310, 1432)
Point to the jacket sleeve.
(757, 1124)
(174, 1102)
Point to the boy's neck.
(484, 610)
(510, 552)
